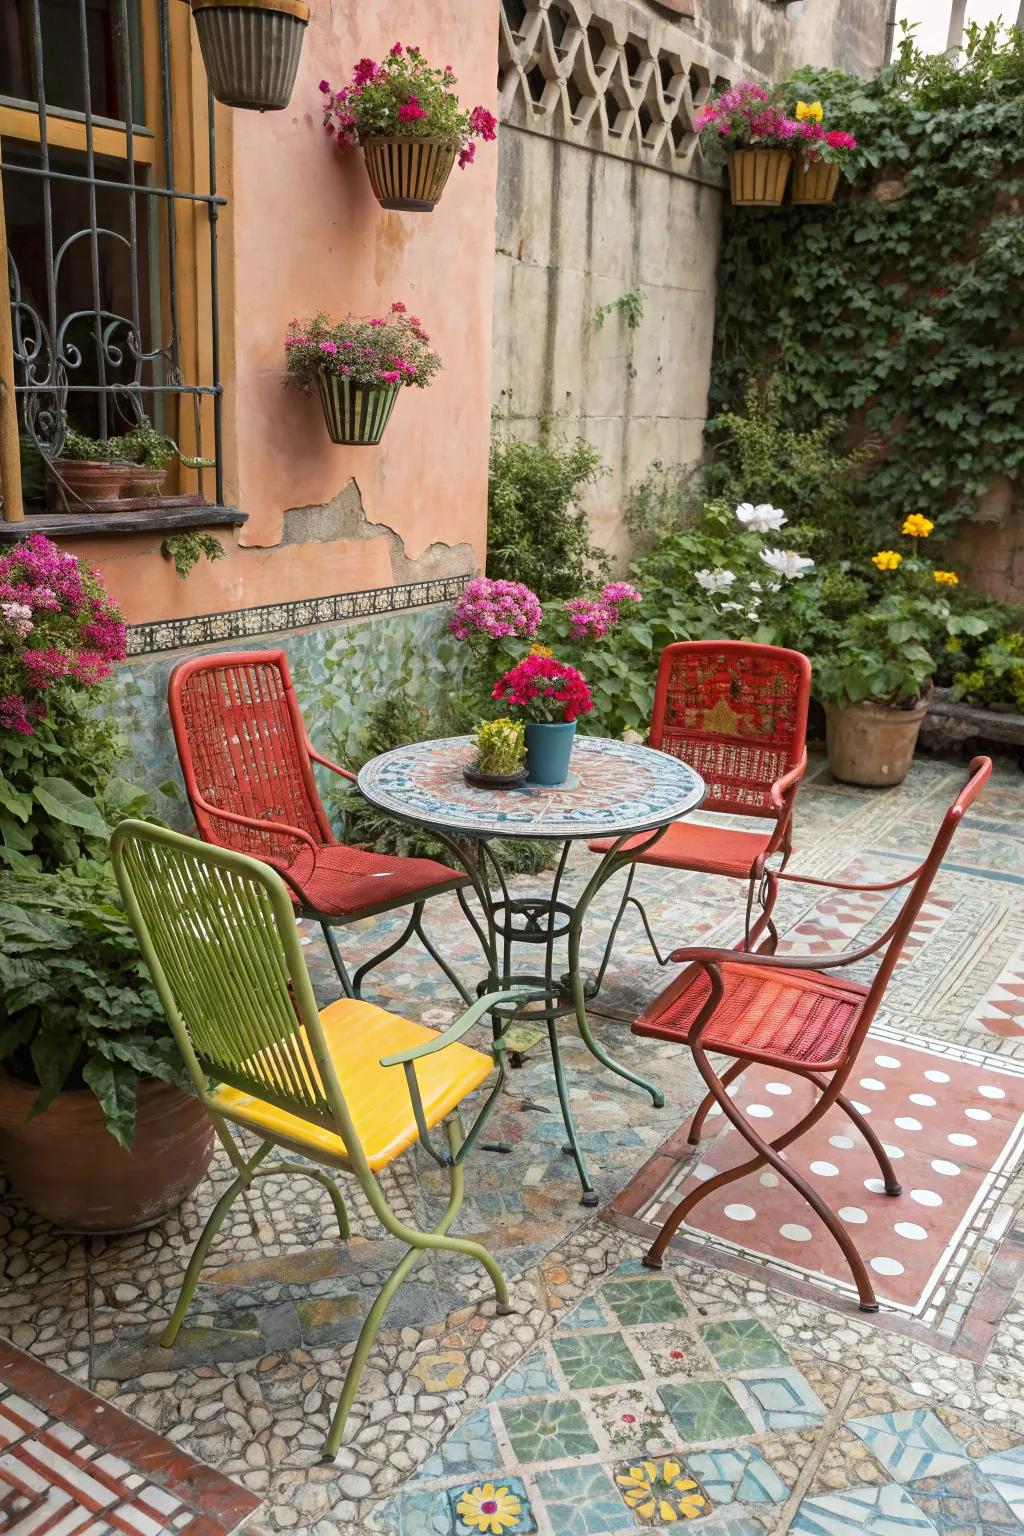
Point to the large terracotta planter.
(251, 49)
(872, 744)
(141, 480)
(757, 177)
(814, 183)
(408, 175)
(80, 482)
(354, 414)
(67, 1167)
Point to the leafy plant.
(500, 746)
(996, 680)
(143, 445)
(537, 532)
(77, 1007)
(629, 305)
(91, 449)
(389, 349)
(187, 548)
(664, 499)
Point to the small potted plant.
(145, 453)
(821, 154)
(751, 126)
(406, 118)
(251, 49)
(86, 471)
(552, 696)
(500, 754)
(359, 366)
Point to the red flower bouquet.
(545, 689)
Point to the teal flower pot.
(548, 749)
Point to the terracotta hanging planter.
(66, 1166)
(757, 177)
(816, 183)
(356, 414)
(408, 175)
(872, 744)
(251, 49)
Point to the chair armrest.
(783, 799)
(714, 957)
(455, 1032)
(269, 828)
(325, 762)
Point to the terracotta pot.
(872, 744)
(814, 183)
(355, 414)
(80, 482)
(251, 49)
(67, 1167)
(408, 175)
(757, 177)
(141, 480)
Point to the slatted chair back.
(737, 713)
(242, 746)
(217, 930)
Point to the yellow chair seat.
(358, 1035)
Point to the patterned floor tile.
(589, 1314)
(965, 1503)
(742, 1344)
(633, 1420)
(1005, 1471)
(740, 1474)
(547, 1431)
(704, 1410)
(470, 1448)
(672, 1351)
(528, 1379)
(885, 1511)
(661, 1491)
(654, 1300)
(911, 1444)
(780, 1398)
(596, 1360)
(580, 1501)
(498, 1508)
(418, 1512)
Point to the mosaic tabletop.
(613, 788)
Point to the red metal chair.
(778, 1011)
(737, 713)
(248, 762)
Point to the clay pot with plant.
(406, 117)
(86, 472)
(500, 755)
(144, 454)
(763, 134)
(96, 1131)
(551, 696)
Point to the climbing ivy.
(900, 310)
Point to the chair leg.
(888, 1172)
(337, 1199)
(442, 964)
(767, 893)
(766, 1153)
(708, 1103)
(339, 964)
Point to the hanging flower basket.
(355, 414)
(757, 177)
(815, 183)
(251, 49)
(408, 175)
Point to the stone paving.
(609, 1400)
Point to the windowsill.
(71, 525)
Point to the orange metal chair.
(248, 762)
(737, 713)
(760, 1008)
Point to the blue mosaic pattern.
(912, 1444)
(885, 1511)
(532, 1377)
(1005, 1471)
(741, 1474)
(618, 788)
(779, 1398)
(580, 1501)
(470, 1448)
(500, 1494)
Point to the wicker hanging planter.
(814, 183)
(251, 49)
(757, 177)
(408, 175)
(355, 413)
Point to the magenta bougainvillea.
(496, 610)
(544, 689)
(57, 625)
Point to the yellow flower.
(536, 649)
(809, 111)
(489, 1509)
(662, 1491)
(886, 559)
(946, 578)
(917, 527)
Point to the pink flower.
(329, 347)
(484, 123)
(837, 139)
(537, 679)
(397, 51)
(392, 376)
(364, 72)
(588, 620)
(617, 592)
(324, 87)
(467, 156)
(496, 609)
(378, 322)
(410, 111)
(398, 308)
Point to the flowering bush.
(57, 625)
(405, 98)
(388, 349)
(496, 609)
(545, 689)
(750, 116)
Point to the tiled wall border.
(276, 618)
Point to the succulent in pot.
(358, 366)
(406, 117)
(500, 754)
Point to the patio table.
(614, 790)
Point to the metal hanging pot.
(251, 49)
(356, 414)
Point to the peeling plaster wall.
(586, 214)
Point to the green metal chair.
(218, 933)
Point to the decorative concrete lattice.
(628, 84)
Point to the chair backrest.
(218, 934)
(242, 747)
(737, 713)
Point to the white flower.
(764, 518)
(19, 617)
(785, 563)
(730, 608)
(714, 581)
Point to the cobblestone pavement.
(610, 1399)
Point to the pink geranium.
(404, 97)
(545, 689)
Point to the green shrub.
(536, 531)
(997, 676)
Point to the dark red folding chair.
(737, 713)
(778, 1011)
(248, 762)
